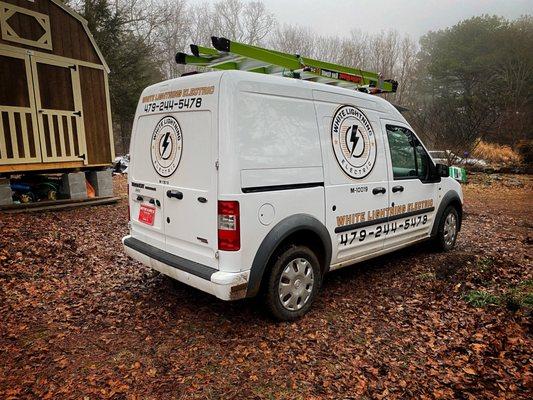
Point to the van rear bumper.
(224, 285)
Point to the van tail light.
(229, 227)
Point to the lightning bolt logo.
(166, 142)
(354, 139)
(166, 146)
(354, 143)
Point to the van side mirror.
(442, 170)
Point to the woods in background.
(475, 81)
(466, 83)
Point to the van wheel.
(293, 283)
(448, 228)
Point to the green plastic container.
(458, 174)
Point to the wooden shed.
(54, 96)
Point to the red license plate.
(147, 214)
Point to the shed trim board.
(53, 57)
(12, 113)
(109, 117)
(50, 166)
(59, 115)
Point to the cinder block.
(73, 185)
(102, 182)
(6, 195)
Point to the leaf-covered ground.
(81, 320)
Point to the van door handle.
(174, 193)
(397, 189)
(379, 190)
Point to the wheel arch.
(300, 229)
(451, 198)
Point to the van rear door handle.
(174, 193)
(379, 190)
(397, 189)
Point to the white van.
(243, 184)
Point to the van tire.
(304, 263)
(443, 241)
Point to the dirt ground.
(81, 320)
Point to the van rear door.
(180, 148)
(191, 192)
(145, 192)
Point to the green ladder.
(231, 55)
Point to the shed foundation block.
(6, 195)
(102, 182)
(73, 186)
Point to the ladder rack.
(228, 54)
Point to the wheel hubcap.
(296, 284)
(450, 229)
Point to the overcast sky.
(412, 17)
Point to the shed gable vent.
(34, 27)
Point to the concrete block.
(102, 182)
(6, 195)
(73, 185)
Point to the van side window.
(409, 159)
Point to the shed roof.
(83, 22)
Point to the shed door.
(19, 138)
(58, 103)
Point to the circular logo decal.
(354, 142)
(166, 146)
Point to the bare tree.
(247, 22)
(388, 53)
(226, 17)
(257, 22)
(172, 35)
(185, 23)
(405, 71)
(354, 49)
(327, 49)
(384, 51)
(202, 24)
(293, 39)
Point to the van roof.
(381, 104)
